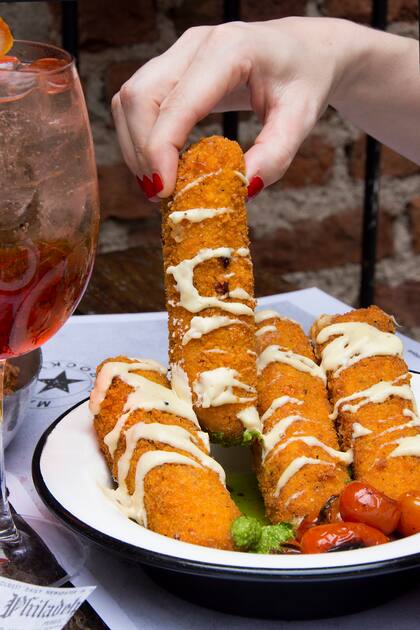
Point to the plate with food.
(267, 472)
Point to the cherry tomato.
(340, 537)
(306, 524)
(330, 512)
(361, 503)
(410, 513)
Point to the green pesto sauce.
(244, 490)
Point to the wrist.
(353, 47)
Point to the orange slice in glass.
(45, 64)
(6, 38)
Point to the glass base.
(46, 553)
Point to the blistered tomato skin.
(410, 514)
(361, 503)
(306, 524)
(340, 537)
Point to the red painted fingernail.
(157, 183)
(149, 189)
(140, 183)
(255, 186)
(147, 186)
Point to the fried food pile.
(314, 412)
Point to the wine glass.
(48, 229)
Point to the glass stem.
(8, 531)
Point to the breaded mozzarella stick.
(167, 480)
(299, 464)
(374, 406)
(209, 288)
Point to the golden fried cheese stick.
(369, 385)
(151, 439)
(299, 464)
(209, 288)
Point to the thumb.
(286, 127)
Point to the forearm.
(378, 87)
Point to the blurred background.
(306, 230)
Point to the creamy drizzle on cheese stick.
(209, 288)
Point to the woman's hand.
(286, 70)
(282, 69)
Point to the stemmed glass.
(48, 229)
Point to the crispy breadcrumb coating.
(182, 502)
(308, 490)
(231, 346)
(385, 420)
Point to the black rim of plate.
(196, 567)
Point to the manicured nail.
(147, 186)
(140, 183)
(255, 186)
(157, 183)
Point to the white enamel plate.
(70, 475)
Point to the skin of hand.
(287, 71)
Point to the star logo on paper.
(60, 382)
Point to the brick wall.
(306, 229)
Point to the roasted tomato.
(361, 503)
(306, 524)
(340, 537)
(410, 513)
(330, 512)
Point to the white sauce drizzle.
(345, 457)
(272, 437)
(294, 496)
(407, 425)
(201, 178)
(407, 446)
(252, 353)
(180, 384)
(261, 316)
(242, 177)
(121, 369)
(250, 419)
(355, 341)
(277, 403)
(214, 388)
(190, 298)
(172, 435)
(359, 431)
(377, 393)
(200, 326)
(148, 395)
(240, 294)
(195, 215)
(195, 182)
(274, 354)
(133, 505)
(216, 351)
(294, 467)
(265, 329)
